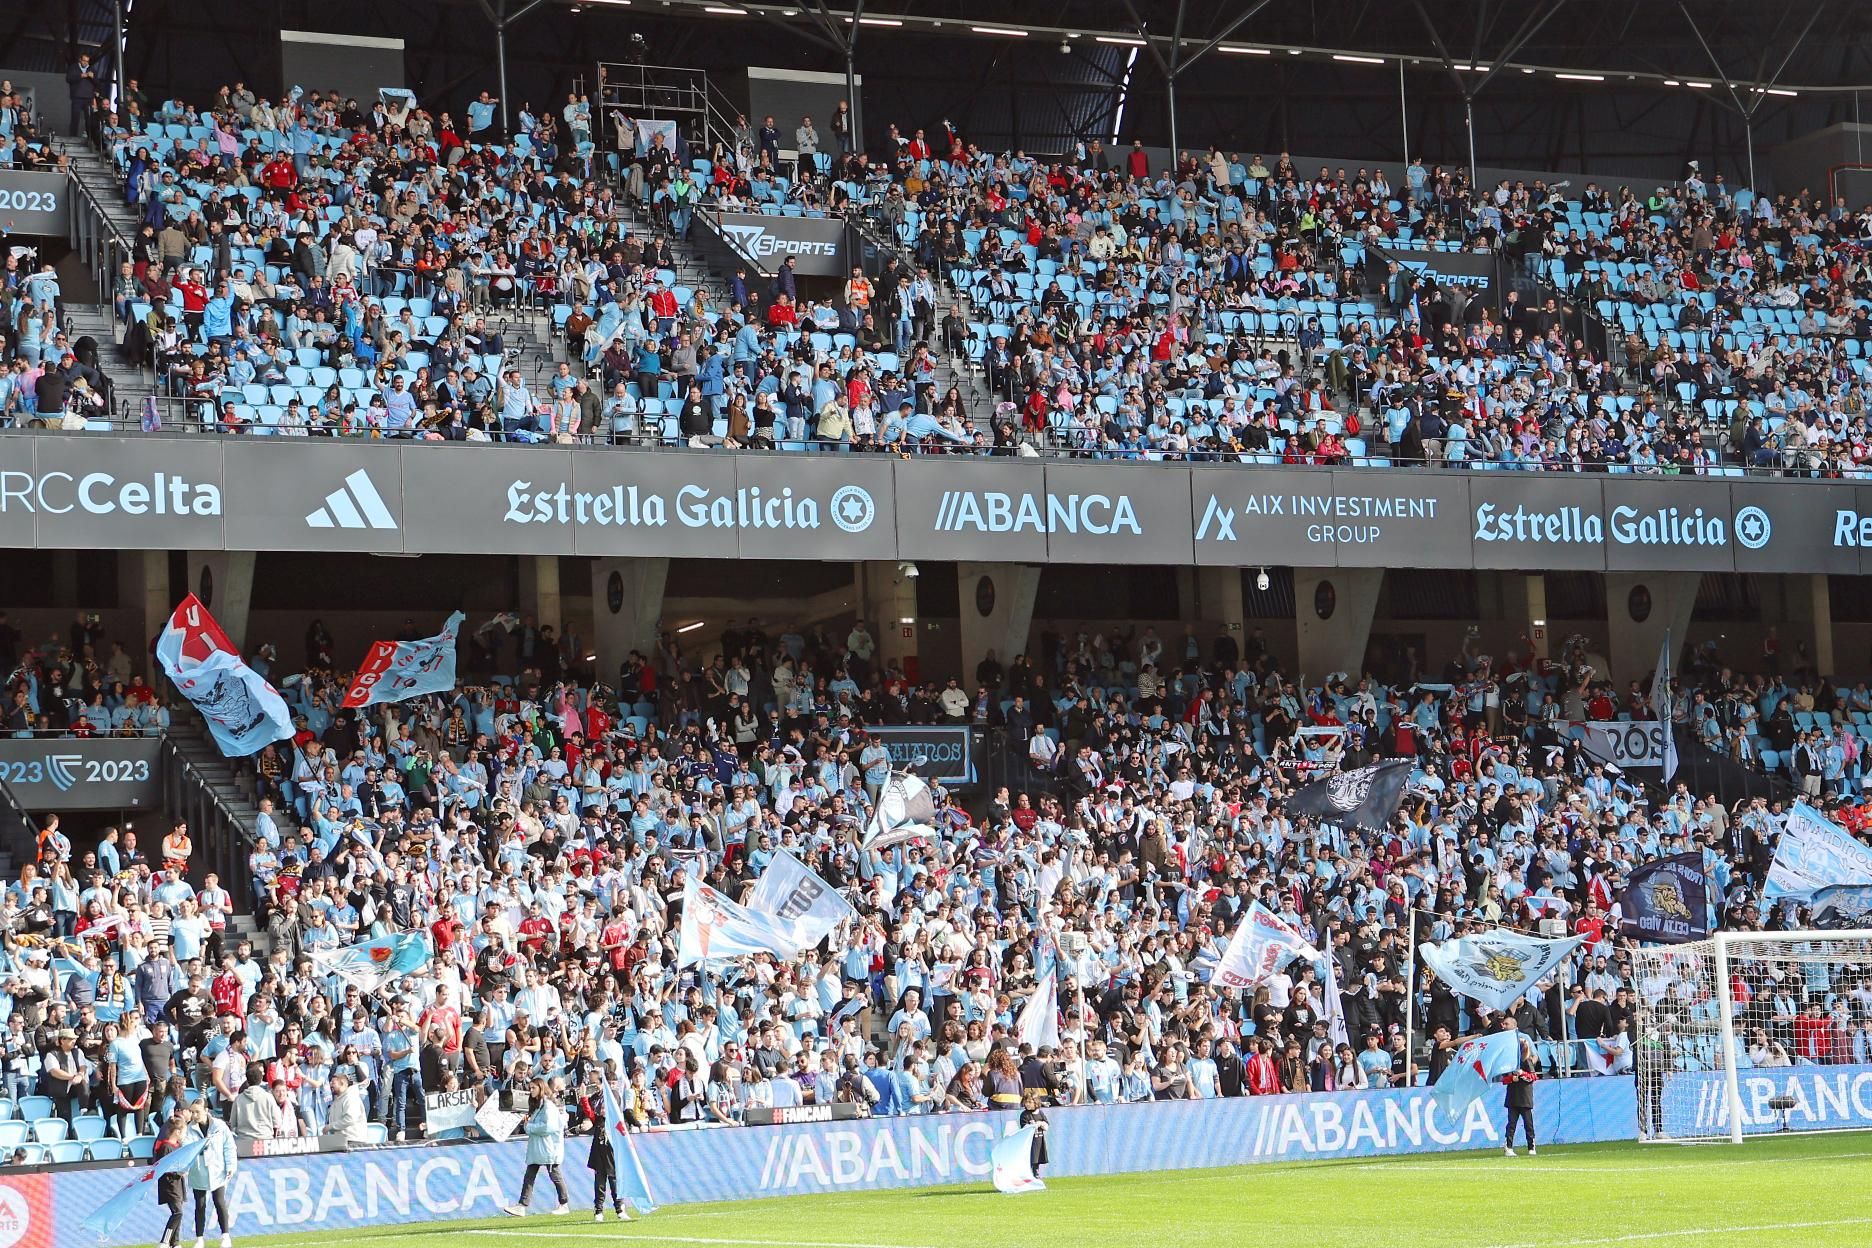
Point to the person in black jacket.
(1519, 1100)
(171, 1188)
(1035, 1117)
(1231, 1073)
(602, 1160)
(81, 79)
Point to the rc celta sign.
(196, 492)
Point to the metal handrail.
(226, 838)
(1047, 446)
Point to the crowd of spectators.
(538, 825)
(325, 265)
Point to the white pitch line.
(1499, 1165)
(694, 1239)
(1687, 1231)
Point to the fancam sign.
(192, 492)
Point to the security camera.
(1065, 48)
(1261, 580)
(908, 570)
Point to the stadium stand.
(537, 827)
(356, 278)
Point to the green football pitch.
(1810, 1191)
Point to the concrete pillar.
(627, 606)
(1666, 600)
(997, 611)
(1533, 604)
(1192, 604)
(888, 606)
(1810, 619)
(539, 591)
(65, 580)
(143, 587)
(1219, 600)
(1333, 610)
(223, 580)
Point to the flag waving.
(788, 890)
(1814, 853)
(1496, 968)
(1666, 900)
(1365, 797)
(1012, 1158)
(107, 1217)
(905, 811)
(244, 713)
(1263, 942)
(633, 1184)
(395, 671)
(370, 964)
(1478, 1062)
(1661, 706)
(715, 929)
(1039, 1018)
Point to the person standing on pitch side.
(1520, 1095)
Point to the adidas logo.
(355, 505)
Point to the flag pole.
(1410, 1001)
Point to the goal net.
(1753, 1033)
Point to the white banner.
(1815, 853)
(1261, 945)
(448, 1111)
(789, 890)
(1624, 745)
(499, 1123)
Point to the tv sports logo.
(758, 242)
(354, 505)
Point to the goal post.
(1753, 1033)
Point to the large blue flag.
(395, 671)
(1815, 853)
(1496, 968)
(633, 1184)
(110, 1215)
(789, 890)
(717, 929)
(370, 964)
(1478, 1062)
(244, 713)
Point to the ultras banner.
(333, 1193)
(207, 493)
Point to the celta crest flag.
(1478, 1062)
(1666, 900)
(1496, 968)
(370, 964)
(1263, 942)
(395, 671)
(1039, 1018)
(1012, 1157)
(1815, 853)
(788, 890)
(715, 929)
(1365, 797)
(243, 712)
